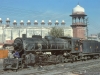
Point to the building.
(78, 22)
(9, 32)
(94, 37)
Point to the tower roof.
(78, 10)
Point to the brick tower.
(78, 22)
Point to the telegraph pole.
(87, 26)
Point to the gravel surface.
(90, 67)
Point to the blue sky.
(50, 10)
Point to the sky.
(50, 10)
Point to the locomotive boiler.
(37, 43)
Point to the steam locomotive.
(38, 50)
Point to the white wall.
(32, 31)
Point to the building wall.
(10, 33)
(68, 32)
(79, 32)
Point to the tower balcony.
(79, 24)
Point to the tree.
(56, 32)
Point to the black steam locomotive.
(38, 50)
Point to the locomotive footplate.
(85, 54)
(55, 49)
(12, 63)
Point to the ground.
(90, 67)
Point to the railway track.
(58, 69)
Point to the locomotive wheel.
(53, 58)
(88, 57)
(82, 58)
(16, 66)
(72, 58)
(30, 59)
(22, 65)
(97, 56)
(65, 60)
(85, 58)
(60, 59)
(27, 59)
(4, 67)
(76, 59)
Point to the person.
(16, 54)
